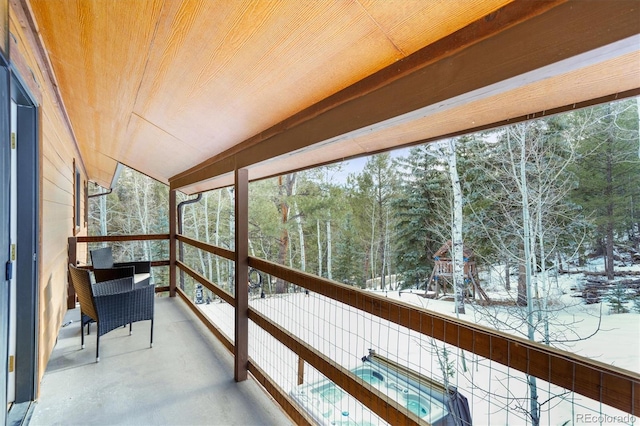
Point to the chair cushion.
(139, 278)
(102, 257)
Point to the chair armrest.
(112, 287)
(141, 267)
(113, 303)
(113, 273)
(142, 302)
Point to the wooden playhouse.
(441, 279)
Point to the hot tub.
(328, 404)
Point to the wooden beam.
(520, 38)
(601, 382)
(173, 253)
(209, 248)
(241, 349)
(300, 370)
(519, 119)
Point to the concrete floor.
(185, 379)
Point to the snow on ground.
(589, 330)
(496, 394)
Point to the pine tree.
(348, 256)
(617, 300)
(374, 191)
(608, 171)
(636, 302)
(422, 213)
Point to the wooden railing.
(611, 386)
(604, 383)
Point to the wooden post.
(173, 213)
(300, 370)
(241, 348)
(72, 258)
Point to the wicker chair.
(112, 304)
(104, 269)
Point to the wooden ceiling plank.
(413, 24)
(204, 76)
(95, 49)
(478, 30)
(257, 54)
(562, 31)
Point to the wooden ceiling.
(185, 91)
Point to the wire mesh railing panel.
(218, 272)
(219, 312)
(426, 377)
(322, 399)
(346, 336)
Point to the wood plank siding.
(58, 151)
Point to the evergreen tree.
(264, 218)
(485, 222)
(372, 193)
(422, 214)
(617, 299)
(322, 206)
(608, 171)
(348, 256)
(636, 302)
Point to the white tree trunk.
(197, 237)
(526, 226)
(373, 250)
(290, 251)
(393, 284)
(142, 210)
(207, 236)
(329, 248)
(103, 215)
(217, 236)
(303, 256)
(457, 247)
(384, 274)
(543, 278)
(319, 248)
